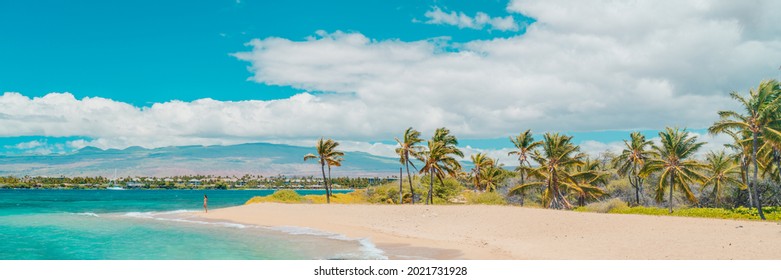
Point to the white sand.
(507, 232)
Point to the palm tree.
(631, 160)
(492, 175)
(326, 155)
(723, 172)
(481, 161)
(524, 145)
(742, 147)
(409, 147)
(438, 159)
(557, 159)
(588, 175)
(761, 107)
(672, 158)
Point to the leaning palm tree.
(408, 149)
(438, 159)
(631, 160)
(326, 155)
(480, 161)
(672, 157)
(722, 172)
(557, 158)
(761, 118)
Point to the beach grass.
(290, 196)
(616, 206)
(488, 198)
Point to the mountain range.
(255, 158)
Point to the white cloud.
(35, 147)
(27, 145)
(479, 21)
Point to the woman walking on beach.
(205, 204)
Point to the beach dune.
(507, 232)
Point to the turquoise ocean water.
(143, 224)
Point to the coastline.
(487, 232)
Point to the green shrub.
(282, 196)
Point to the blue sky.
(143, 52)
(158, 73)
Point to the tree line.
(562, 176)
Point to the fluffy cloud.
(204, 121)
(479, 21)
(35, 147)
(549, 78)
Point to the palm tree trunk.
(640, 186)
(401, 187)
(744, 177)
(637, 191)
(522, 182)
(777, 156)
(411, 190)
(672, 185)
(325, 182)
(754, 183)
(329, 180)
(429, 197)
(477, 178)
(555, 191)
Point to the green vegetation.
(616, 206)
(290, 196)
(281, 196)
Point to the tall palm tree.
(631, 160)
(761, 118)
(481, 161)
(326, 155)
(439, 159)
(722, 172)
(673, 159)
(524, 145)
(557, 158)
(408, 149)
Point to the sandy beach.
(506, 232)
